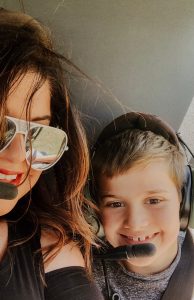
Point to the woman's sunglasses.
(44, 145)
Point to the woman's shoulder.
(69, 255)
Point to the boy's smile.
(142, 206)
(141, 239)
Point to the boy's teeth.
(7, 177)
(140, 239)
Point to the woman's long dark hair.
(58, 202)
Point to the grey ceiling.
(141, 51)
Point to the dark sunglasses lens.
(10, 129)
(44, 146)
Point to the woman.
(45, 239)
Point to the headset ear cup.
(91, 216)
(186, 217)
(98, 226)
(191, 219)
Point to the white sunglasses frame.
(23, 127)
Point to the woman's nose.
(136, 218)
(16, 152)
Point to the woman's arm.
(71, 283)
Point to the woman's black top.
(20, 276)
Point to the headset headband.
(137, 120)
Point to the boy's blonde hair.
(134, 147)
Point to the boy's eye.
(115, 204)
(153, 201)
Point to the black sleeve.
(70, 283)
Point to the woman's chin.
(7, 205)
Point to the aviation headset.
(149, 122)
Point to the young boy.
(138, 168)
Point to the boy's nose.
(16, 152)
(136, 218)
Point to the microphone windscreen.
(8, 191)
(126, 252)
(141, 249)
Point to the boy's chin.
(141, 265)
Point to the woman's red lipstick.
(13, 177)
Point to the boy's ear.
(186, 209)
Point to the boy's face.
(142, 206)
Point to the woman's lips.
(12, 177)
(141, 239)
